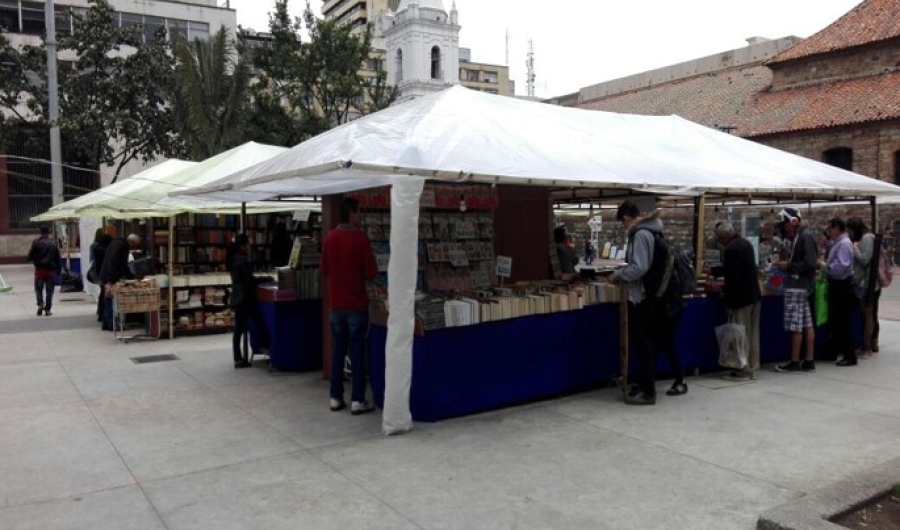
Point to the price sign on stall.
(504, 266)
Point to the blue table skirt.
(464, 370)
(296, 331)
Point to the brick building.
(833, 97)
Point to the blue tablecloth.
(463, 370)
(296, 330)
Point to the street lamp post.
(56, 178)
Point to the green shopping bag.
(821, 301)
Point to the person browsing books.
(347, 264)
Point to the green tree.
(317, 84)
(212, 81)
(113, 98)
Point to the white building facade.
(422, 47)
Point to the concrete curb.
(813, 511)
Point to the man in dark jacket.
(741, 294)
(800, 269)
(115, 268)
(243, 301)
(44, 255)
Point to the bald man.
(741, 295)
(115, 268)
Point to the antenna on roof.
(507, 47)
(530, 64)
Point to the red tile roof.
(871, 21)
(709, 99)
(865, 99)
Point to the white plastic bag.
(732, 345)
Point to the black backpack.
(670, 275)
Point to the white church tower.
(422, 45)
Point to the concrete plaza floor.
(93, 441)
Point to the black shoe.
(789, 368)
(40, 311)
(679, 388)
(846, 362)
(807, 366)
(640, 399)
(242, 364)
(47, 313)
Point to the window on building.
(33, 18)
(436, 63)
(177, 27)
(471, 76)
(151, 24)
(841, 157)
(399, 64)
(490, 77)
(30, 190)
(897, 168)
(198, 30)
(9, 16)
(130, 20)
(63, 21)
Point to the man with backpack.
(654, 300)
(44, 255)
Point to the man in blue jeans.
(347, 264)
(44, 255)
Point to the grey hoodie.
(639, 255)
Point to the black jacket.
(44, 255)
(115, 262)
(243, 283)
(741, 280)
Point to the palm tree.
(212, 95)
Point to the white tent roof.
(147, 193)
(468, 136)
(127, 187)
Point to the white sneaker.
(361, 407)
(337, 404)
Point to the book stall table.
(295, 328)
(133, 296)
(470, 369)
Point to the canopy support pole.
(405, 195)
(171, 271)
(874, 209)
(699, 240)
(245, 338)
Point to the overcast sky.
(591, 41)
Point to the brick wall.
(869, 60)
(875, 146)
(679, 222)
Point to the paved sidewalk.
(94, 441)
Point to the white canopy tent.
(127, 187)
(460, 135)
(147, 193)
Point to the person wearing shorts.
(800, 270)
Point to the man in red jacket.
(347, 264)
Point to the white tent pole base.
(402, 268)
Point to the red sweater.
(347, 262)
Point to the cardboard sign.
(504, 266)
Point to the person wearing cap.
(115, 268)
(244, 302)
(800, 271)
(44, 255)
(839, 271)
